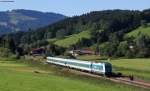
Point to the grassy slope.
(52, 40)
(73, 39)
(24, 79)
(137, 67)
(142, 30)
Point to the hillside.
(22, 20)
(101, 23)
(140, 30)
(72, 39)
(106, 27)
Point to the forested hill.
(106, 30)
(23, 20)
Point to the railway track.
(124, 80)
(136, 83)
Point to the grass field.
(140, 30)
(16, 76)
(73, 39)
(136, 67)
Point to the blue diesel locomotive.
(98, 68)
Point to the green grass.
(73, 39)
(89, 57)
(24, 79)
(137, 64)
(137, 67)
(52, 40)
(140, 30)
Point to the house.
(85, 51)
(37, 51)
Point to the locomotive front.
(108, 68)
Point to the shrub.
(5, 52)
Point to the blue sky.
(75, 7)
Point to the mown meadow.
(17, 75)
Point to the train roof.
(73, 60)
(69, 60)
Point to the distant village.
(84, 51)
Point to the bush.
(5, 52)
(68, 55)
(130, 54)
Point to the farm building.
(85, 51)
(37, 51)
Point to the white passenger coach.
(98, 68)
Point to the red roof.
(37, 49)
(85, 51)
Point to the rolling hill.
(73, 39)
(22, 20)
(140, 30)
(106, 27)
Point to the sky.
(74, 7)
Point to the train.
(88, 66)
